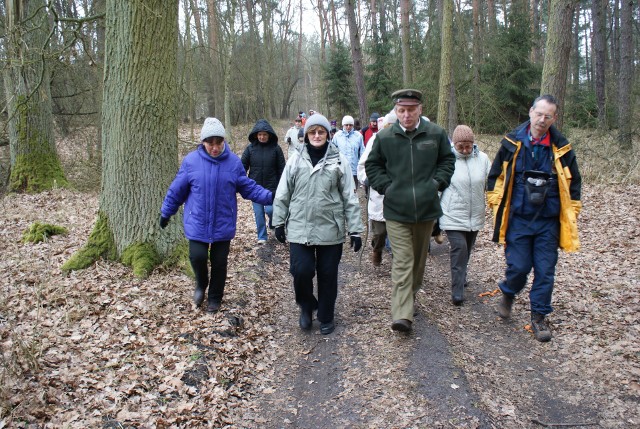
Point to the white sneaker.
(262, 241)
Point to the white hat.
(212, 127)
(316, 119)
(347, 120)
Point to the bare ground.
(101, 348)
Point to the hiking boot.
(439, 238)
(457, 294)
(540, 327)
(504, 306)
(305, 320)
(198, 296)
(213, 307)
(327, 328)
(401, 325)
(376, 257)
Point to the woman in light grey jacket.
(314, 207)
(463, 206)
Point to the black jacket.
(264, 161)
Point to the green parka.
(315, 203)
(410, 169)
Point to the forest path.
(366, 375)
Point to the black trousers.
(306, 261)
(199, 254)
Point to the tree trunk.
(558, 50)
(214, 60)
(598, 14)
(625, 82)
(139, 121)
(477, 59)
(33, 158)
(356, 58)
(405, 7)
(491, 17)
(445, 64)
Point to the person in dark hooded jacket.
(264, 160)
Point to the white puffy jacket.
(375, 204)
(463, 202)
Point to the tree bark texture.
(625, 82)
(139, 118)
(356, 59)
(446, 52)
(558, 51)
(405, 7)
(598, 14)
(33, 157)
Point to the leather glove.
(280, 234)
(164, 221)
(356, 241)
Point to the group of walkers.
(415, 176)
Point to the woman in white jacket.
(463, 206)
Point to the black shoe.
(198, 296)
(213, 307)
(540, 327)
(457, 294)
(305, 320)
(457, 300)
(401, 325)
(327, 328)
(505, 305)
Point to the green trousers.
(410, 246)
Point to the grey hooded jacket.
(318, 204)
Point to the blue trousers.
(260, 211)
(306, 261)
(532, 243)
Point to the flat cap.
(407, 97)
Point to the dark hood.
(263, 125)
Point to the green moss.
(38, 232)
(142, 257)
(179, 258)
(99, 245)
(37, 168)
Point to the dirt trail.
(460, 367)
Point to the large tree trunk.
(558, 50)
(405, 7)
(33, 158)
(477, 59)
(139, 130)
(625, 83)
(356, 58)
(444, 90)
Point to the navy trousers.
(532, 242)
(306, 261)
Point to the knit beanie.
(347, 120)
(212, 127)
(374, 116)
(316, 119)
(463, 133)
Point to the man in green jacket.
(409, 164)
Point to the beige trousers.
(410, 246)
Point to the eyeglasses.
(317, 132)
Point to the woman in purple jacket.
(206, 184)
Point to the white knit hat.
(316, 119)
(347, 120)
(212, 127)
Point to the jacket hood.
(474, 152)
(556, 136)
(263, 125)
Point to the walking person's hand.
(356, 241)
(164, 221)
(280, 236)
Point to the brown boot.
(376, 257)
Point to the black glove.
(366, 182)
(356, 241)
(280, 234)
(164, 221)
